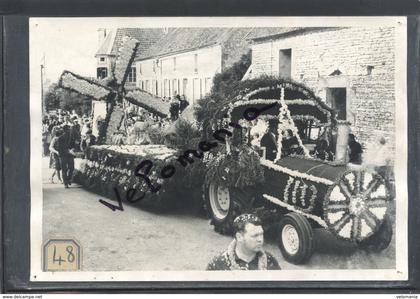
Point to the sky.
(66, 45)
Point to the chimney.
(101, 36)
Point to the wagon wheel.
(356, 207)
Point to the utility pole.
(42, 90)
(44, 108)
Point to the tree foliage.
(210, 108)
(57, 97)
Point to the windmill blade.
(126, 54)
(149, 102)
(71, 81)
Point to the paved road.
(137, 239)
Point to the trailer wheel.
(295, 238)
(380, 240)
(224, 205)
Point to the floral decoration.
(83, 86)
(125, 54)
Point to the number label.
(61, 255)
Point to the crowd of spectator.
(64, 135)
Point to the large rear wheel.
(224, 205)
(380, 240)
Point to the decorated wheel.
(295, 238)
(224, 205)
(356, 207)
(380, 240)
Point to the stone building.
(185, 60)
(110, 41)
(352, 69)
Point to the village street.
(137, 239)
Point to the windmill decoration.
(112, 89)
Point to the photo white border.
(401, 233)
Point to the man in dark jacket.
(355, 150)
(65, 148)
(246, 251)
(269, 141)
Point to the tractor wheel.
(380, 240)
(224, 205)
(295, 238)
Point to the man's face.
(252, 238)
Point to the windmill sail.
(71, 81)
(126, 55)
(149, 102)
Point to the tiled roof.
(146, 37)
(235, 41)
(187, 39)
(106, 45)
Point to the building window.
(174, 63)
(132, 75)
(174, 87)
(140, 71)
(337, 99)
(102, 59)
(185, 87)
(166, 87)
(101, 72)
(196, 89)
(154, 66)
(195, 63)
(285, 63)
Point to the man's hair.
(351, 136)
(241, 221)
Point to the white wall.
(170, 78)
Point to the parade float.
(296, 191)
(128, 116)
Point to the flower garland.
(305, 206)
(254, 102)
(312, 158)
(286, 123)
(292, 208)
(295, 173)
(125, 53)
(71, 81)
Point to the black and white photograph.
(218, 149)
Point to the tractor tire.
(223, 205)
(295, 238)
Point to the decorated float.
(307, 185)
(133, 126)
